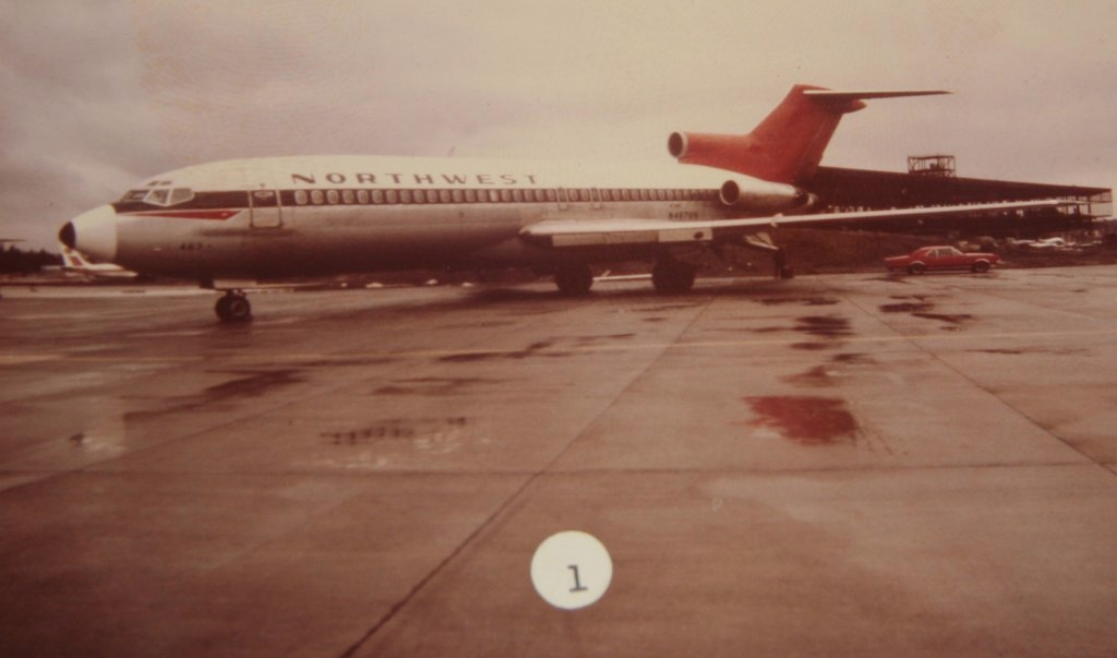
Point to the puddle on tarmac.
(951, 319)
(535, 349)
(806, 420)
(582, 340)
(219, 397)
(253, 384)
(906, 307)
(921, 308)
(663, 307)
(809, 301)
(826, 326)
(830, 327)
(431, 385)
(854, 359)
(432, 435)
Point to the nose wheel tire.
(233, 307)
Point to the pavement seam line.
(508, 502)
(913, 341)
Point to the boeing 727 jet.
(73, 262)
(225, 223)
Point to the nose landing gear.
(233, 307)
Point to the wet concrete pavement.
(843, 465)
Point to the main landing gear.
(233, 307)
(669, 276)
(574, 279)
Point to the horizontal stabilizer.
(867, 95)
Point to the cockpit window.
(181, 195)
(160, 196)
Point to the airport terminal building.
(932, 180)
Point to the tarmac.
(845, 465)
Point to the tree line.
(14, 260)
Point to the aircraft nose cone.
(67, 235)
(92, 233)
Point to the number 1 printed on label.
(577, 582)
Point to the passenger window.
(332, 196)
(407, 196)
(300, 197)
(362, 196)
(392, 196)
(471, 196)
(517, 195)
(552, 195)
(316, 197)
(456, 196)
(444, 196)
(347, 196)
(378, 196)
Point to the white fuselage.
(312, 215)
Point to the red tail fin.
(788, 144)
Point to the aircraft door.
(266, 209)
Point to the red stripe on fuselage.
(211, 215)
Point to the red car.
(941, 258)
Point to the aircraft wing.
(573, 233)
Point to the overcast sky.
(100, 94)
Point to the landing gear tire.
(233, 307)
(574, 280)
(672, 277)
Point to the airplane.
(73, 262)
(228, 223)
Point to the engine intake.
(763, 196)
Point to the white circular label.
(571, 570)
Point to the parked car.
(941, 258)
